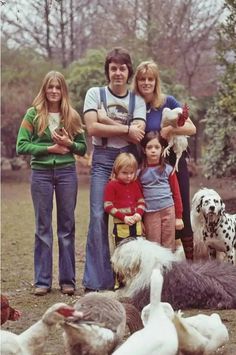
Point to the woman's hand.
(62, 138)
(166, 132)
(58, 149)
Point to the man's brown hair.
(121, 56)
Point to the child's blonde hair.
(124, 160)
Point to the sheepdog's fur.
(134, 259)
(201, 284)
(212, 225)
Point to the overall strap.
(131, 106)
(103, 99)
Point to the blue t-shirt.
(154, 116)
(156, 188)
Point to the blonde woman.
(51, 132)
(147, 83)
(123, 198)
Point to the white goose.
(200, 334)
(100, 330)
(32, 340)
(159, 336)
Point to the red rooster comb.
(183, 116)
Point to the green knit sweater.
(28, 142)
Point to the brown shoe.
(41, 291)
(67, 290)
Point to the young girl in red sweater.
(163, 212)
(123, 198)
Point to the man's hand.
(136, 133)
(102, 115)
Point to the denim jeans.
(98, 273)
(43, 184)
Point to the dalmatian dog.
(212, 225)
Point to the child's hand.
(179, 224)
(129, 220)
(137, 217)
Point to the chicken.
(32, 340)
(101, 328)
(175, 118)
(7, 312)
(200, 334)
(159, 336)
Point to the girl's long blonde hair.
(70, 119)
(149, 68)
(124, 160)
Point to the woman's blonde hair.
(149, 68)
(70, 119)
(124, 160)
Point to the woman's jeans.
(43, 184)
(98, 274)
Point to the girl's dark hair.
(151, 135)
(121, 56)
(147, 138)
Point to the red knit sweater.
(122, 200)
(174, 185)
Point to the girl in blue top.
(147, 84)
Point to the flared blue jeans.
(62, 181)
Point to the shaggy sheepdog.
(212, 225)
(202, 284)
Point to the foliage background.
(193, 44)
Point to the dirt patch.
(17, 253)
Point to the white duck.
(200, 334)
(32, 340)
(101, 329)
(175, 118)
(159, 336)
